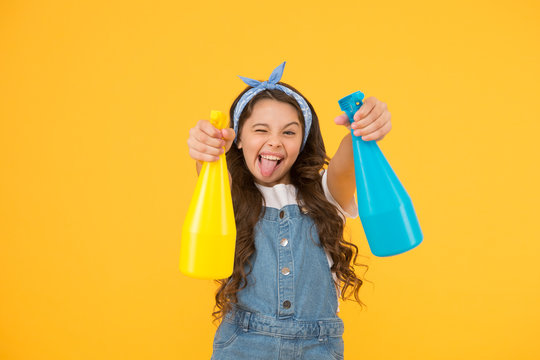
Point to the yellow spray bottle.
(209, 230)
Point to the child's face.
(270, 140)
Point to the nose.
(274, 141)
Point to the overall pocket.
(225, 334)
(335, 347)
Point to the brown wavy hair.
(248, 204)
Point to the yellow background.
(96, 100)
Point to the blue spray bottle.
(385, 208)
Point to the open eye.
(290, 132)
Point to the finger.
(373, 126)
(203, 148)
(196, 155)
(202, 137)
(342, 119)
(385, 130)
(366, 108)
(228, 134)
(208, 128)
(374, 114)
(380, 133)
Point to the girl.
(292, 262)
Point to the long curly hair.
(248, 204)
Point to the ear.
(238, 144)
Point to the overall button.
(286, 304)
(281, 214)
(285, 271)
(304, 210)
(283, 242)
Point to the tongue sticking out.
(267, 166)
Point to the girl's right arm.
(206, 142)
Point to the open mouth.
(268, 164)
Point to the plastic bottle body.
(209, 230)
(385, 209)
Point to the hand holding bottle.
(206, 142)
(371, 121)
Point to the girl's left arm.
(372, 122)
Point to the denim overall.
(288, 310)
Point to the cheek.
(293, 150)
(250, 151)
(254, 146)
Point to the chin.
(271, 180)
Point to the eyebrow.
(266, 125)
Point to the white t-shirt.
(281, 195)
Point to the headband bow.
(272, 83)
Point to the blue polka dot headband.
(271, 83)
